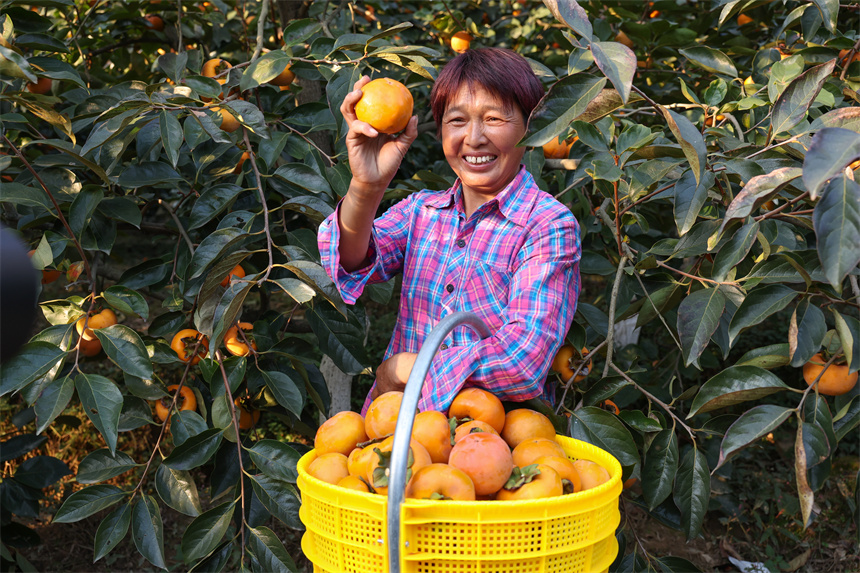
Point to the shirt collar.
(514, 201)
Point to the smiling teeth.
(479, 160)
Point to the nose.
(475, 135)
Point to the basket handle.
(406, 418)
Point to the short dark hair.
(502, 72)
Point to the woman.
(493, 244)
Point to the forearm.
(356, 215)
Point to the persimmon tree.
(712, 175)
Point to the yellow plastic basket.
(346, 529)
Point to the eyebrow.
(489, 109)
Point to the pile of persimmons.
(474, 452)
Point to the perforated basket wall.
(567, 534)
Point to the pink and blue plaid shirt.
(514, 263)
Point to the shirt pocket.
(488, 293)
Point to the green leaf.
(300, 31)
(216, 245)
(269, 550)
(792, 104)
(692, 491)
(848, 328)
(102, 465)
(734, 251)
(127, 301)
(33, 360)
(806, 332)
(659, 467)
(847, 117)
(126, 349)
(766, 357)
(171, 135)
(53, 401)
(571, 14)
(264, 69)
(212, 202)
(285, 388)
(275, 459)
(207, 529)
(40, 472)
(248, 115)
(689, 198)
(195, 451)
(599, 427)
(751, 426)
(299, 291)
(102, 402)
(303, 178)
(186, 424)
(111, 531)
(341, 340)
(280, 498)
(83, 207)
(711, 60)
(148, 173)
(11, 192)
(698, 317)
(618, 63)
(565, 101)
(758, 305)
(691, 141)
(734, 385)
(836, 219)
(19, 445)
(815, 443)
(173, 65)
(147, 530)
(84, 503)
(829, 10)
(830, 151)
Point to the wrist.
(366, 191)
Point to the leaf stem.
(656, 400)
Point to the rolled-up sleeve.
(513, 362)
(386, 251)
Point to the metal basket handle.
(406, 418)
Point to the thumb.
(409, 134)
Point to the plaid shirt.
(514, 263)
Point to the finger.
(357, 129)
(347, 108)
(405, 139)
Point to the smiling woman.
(493, 244)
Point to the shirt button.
(449, 288)
(461, 243)
(443, 347)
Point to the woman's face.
(479, 137)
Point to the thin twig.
(569, 382)
(613, 300)
(694, 277)
(253, 157)
(646, 197)
(783, 206)
(220, 358)
(656, 311)
(261, 29)
(182, 232)
(654, 399)
(815, 382)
